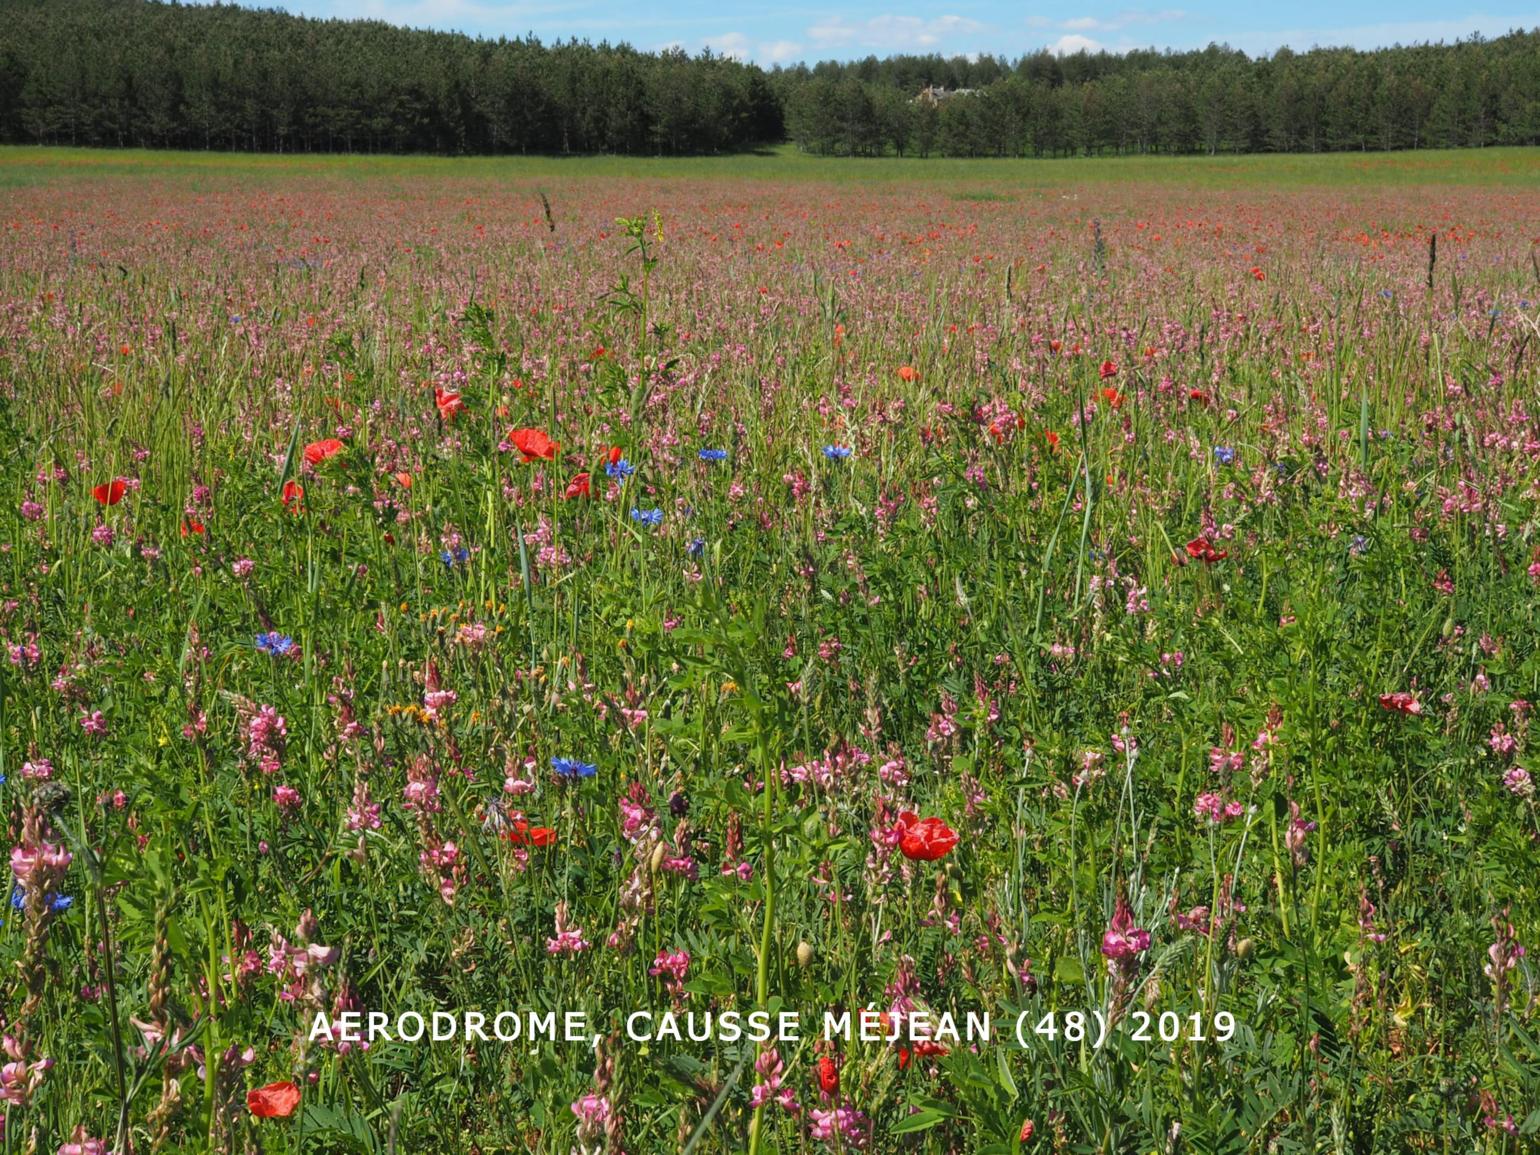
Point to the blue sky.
(848, 31)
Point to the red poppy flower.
(523, 834)
(924, 839)
(924, 1049)
(579, 487)
(293, 491)
(449, 403)
(1401, 703)
(111, 492)
(1198, 396)
(533, 444)
(192, 526)
(1052, 438)
(828, 1076)
(1112, 397)
(1258, 274)
(613, 454)
(1203, 550)
(318, 451)
(274, 1101)
(908, 373)
(1109, 369)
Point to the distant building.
(933, 95)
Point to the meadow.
(1101, 594)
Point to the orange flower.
(449, 403)
(404, 480)
(908, 373)
(1053, 441)
(523, 834)
(533, 444)
(318, 451)
(274, 1101)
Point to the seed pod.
(805, 954)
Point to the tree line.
(167, 75)
(1469, 94)
(148, 74)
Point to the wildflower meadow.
(769, 655)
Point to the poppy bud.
(1245, 948)
(657, 859)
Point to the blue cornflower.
(648, 517)
(697, 546)
(713, 455)
(1388, 294)
(275, 643)
(61, 903)
(1224, 455)
(836, 452)
(619, 469)
(18, 897)
(459, 555)
(572, 768)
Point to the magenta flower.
(1123, 939)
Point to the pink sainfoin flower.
(1502, 744)
(1216, 809)
(671, 967)
(266, 736)
(1503, 955)
(94, 723)
(37, 769)
(82, 1144)
(842, 1125)
(593, 1115)
(1518, 782)
(421, 793)
(39, 867)
(1294, 837)
(20, 1079)
(770, 1088)
(1123, 940)
(363, 814)
(568, 940)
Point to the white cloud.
(779, 52)
(893, 33)
(1367, 36)
(1082, 23)
(740, 47)
(734, 44)
(1073, 43)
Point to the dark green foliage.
(1469, 94)
(138, 73)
